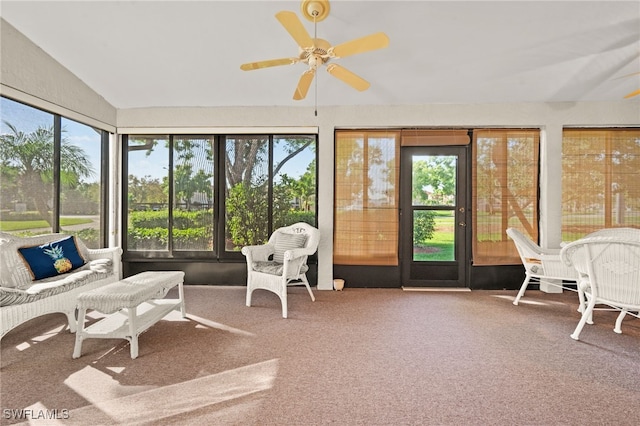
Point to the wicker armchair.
(609, 269)
(626, 233)
(282, 261)
(540, 263)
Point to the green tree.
(145, 190)
(30, 156)
(434, 180)
(247, 199)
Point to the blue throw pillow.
(51, 259)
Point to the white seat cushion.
(273, 268)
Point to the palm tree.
(29, 157)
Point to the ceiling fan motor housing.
(316, 56)
(315, 10)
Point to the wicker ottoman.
(134, 304)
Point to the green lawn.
(442, 241)
(18, 225)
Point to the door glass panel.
(433, 235)
(434, 180)
(434, 198)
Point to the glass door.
(434, 216)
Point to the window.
(606, 161)
(193, 193)
(270, 183)
(53, 174)
(266, 181)
(366, 198)
(505, 192)
(147, 197)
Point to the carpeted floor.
(356, 357)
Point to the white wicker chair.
(609, 269)
(540, 263)
(290, 246)
(626, 233)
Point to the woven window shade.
(434, 137)
(366, 198)
(600, 180)
(505, 192)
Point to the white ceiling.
(188, 53)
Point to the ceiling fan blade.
(303, 85)
(361, 45)
(632, 94)
(293, 25)
(348, 77)
(269, 63)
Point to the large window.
(505, 192)
(600, 184)
(266, 181)
(52, 172)
(366, 198)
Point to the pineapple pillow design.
(51, 259)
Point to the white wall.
(30, 75)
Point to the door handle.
(462, 224)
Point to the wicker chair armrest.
(113, 253)
(298, 252)
(258, 253)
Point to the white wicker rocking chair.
(540, 263)
(609, 269)
(282, 261)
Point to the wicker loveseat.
(23, 296)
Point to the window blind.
(366, 197)
(505, 192)
(600, 184)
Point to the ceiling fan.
(315, 52)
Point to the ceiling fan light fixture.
(315, 10)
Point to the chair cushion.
(274, 268)
(51, 259)
(286, 242)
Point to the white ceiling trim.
(34, 101)
(217, 130)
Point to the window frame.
(219, 252)
(103, 174)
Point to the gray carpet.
(356, 357)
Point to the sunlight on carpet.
(133, 404)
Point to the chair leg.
(590, 317)
(283, 300)
(72, 320)
(306, 283)
(523, 288)
(581, 299)
(618, 327)
(583, 319)
(249, 292)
